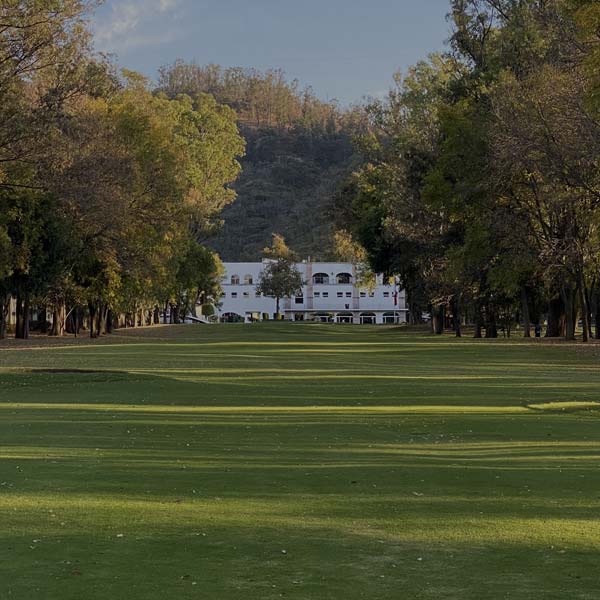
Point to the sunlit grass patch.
(567, 406)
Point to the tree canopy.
(480, 182)
(108, 188)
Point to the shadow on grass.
(128, 555)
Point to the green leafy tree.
(280, 279)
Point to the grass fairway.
(300, 462)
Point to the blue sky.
(344, 49)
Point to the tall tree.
(280, 278)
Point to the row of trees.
(108, 188)
(481, 186)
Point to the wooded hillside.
(298, 151)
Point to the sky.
(344, 49)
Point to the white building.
(330, 294)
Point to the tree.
(279, 249)
(383, 204)
(349, 250)
(280, 279)
(45, 64)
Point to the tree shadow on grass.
(117, 558)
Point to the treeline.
(107, 187)
(298, 151)
(481, 186)
(260, 98)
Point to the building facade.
(330, 294)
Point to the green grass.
(300, 462)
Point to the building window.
(317, 294)
(325, 294)
(348, 294)
(234, 294)
(235, 280)
(224, 295)
(258, 294)
(344, 278)
(363, 294)
(246, 295)
(340, 294)
(248, 280)
(299, 299)
(321, 279)
(371, 294)
(386, 294)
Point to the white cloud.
(131, 23)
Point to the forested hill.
(298, 151)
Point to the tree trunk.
(457, 317)
(478, 322)
(18, 317)
(26, 318)
(194, 310)
(590, 311)
(4, 311)
(491, 327)
(585, 312)
(526, 314)
(568, 297)
(22, 325)
(415, 314)
(59, 319)
(99, 320)
(93, 310)
(439, 316)
(110, 325)
(277, 310)
(42, 321)
(556, 309)
(156, 315)
(73, 321)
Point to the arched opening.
(248, 280)
(368, 319)
(343, 278)
(231, 317)
(323, 317)
(321, 279)
(392, 318)
(345, 317)
(235, 280)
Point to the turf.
(301, 462)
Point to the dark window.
(344, 278)
(321, 279)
